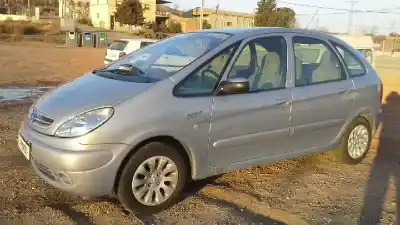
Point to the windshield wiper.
(124, 69)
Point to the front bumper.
(85, 170)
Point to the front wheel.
(153, 179)
(356, 141)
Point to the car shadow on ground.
(194, 188)
(76, 216)
(385, 164)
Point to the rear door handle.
(284, 101)
(344, 91)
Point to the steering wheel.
(131, 68)
(203, 78)
(210, 71)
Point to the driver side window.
(263, 62)
(203, 80)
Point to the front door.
(250, 126)
(322, 99)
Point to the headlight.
(84, 123)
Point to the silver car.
(201, 104)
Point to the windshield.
(118, 45)
(162, 59)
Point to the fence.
(391, 44)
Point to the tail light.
(380, 90)
(122, 54)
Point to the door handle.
(284, 101)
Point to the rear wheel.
(153, 179)
(356, 141)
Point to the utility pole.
(216, 16)
(352, 3)
(29, 9)
(201, 14)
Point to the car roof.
(137, 39)
(251, 31)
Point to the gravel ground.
(313, 189)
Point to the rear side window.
(118, 45)
(353, 64)
(315, 62)
(145, 43)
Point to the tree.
(268, 15)
(175, 27)
(322, 29)
(265, 15)
(130, 12)
(286, 17)
(379, 38)
(206, 24)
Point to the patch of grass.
(10, 27)
(57, 39)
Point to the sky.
(334, 20)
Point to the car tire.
(132, 194)
(353, 147)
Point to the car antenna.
(316, 12)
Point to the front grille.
(38, 118)
(45, 171)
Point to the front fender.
(197, 157)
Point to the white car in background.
(122, 47)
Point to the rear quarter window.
(145, 43)
(354, 66)
(118, 45)
(368, 54)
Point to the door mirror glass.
(234, 86)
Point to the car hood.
(82, 94)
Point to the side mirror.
(234, 86)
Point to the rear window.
(145, 43)
(118, 45)
(368, 54)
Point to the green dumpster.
(99, 39)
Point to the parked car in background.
(123, 47)
(201, 104)
(363, 43)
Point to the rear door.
(322, 98)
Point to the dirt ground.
(44, 63)
(310, 190)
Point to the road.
(314, 189)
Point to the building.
(221, 18)
(102, 15)
(102, 12)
